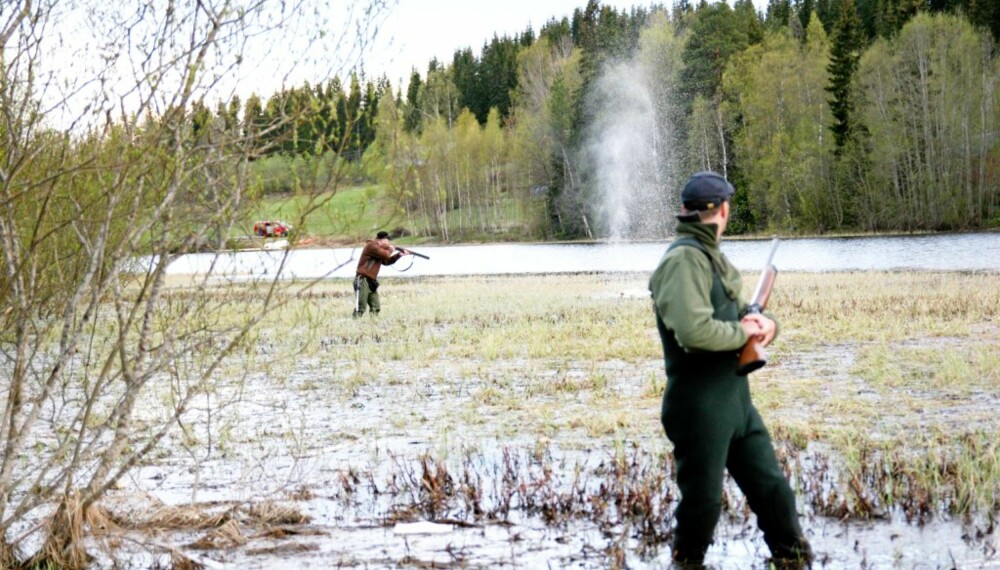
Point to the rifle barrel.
(770, 256)
(768, 267)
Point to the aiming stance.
(376, 253)
(707, 412)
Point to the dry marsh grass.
(885, 372)
(528, 337)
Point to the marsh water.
(513, 502)
(940, 252)
(355, 463)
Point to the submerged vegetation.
(527, 408)
(494, 401)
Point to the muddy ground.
(522, 461)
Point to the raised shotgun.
(752, 356)
(411, 252)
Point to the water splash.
(630, 153)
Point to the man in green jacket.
(707, 412)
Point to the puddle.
(545, 507)
(535, 462)
(355, 464)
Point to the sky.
(415, 31)
(412, 32)
(320, 44)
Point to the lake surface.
(941, 252)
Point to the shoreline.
(332, 242)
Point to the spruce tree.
(412, 119)
(468, 79)
(805, 11)
(778, 13)
(845, 52)
(826, 10)
(985, 13)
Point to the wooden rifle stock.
(752, 355)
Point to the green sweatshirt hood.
(707, 234)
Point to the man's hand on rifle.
(403, 251)
(759, 326)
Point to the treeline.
(828, 115)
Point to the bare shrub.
(105, 176)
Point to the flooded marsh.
(521, 414)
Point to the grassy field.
(347, 215)
(874, 365)
(531, 403)
(353, 213)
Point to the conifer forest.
(828, 116)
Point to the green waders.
(365, 296)
(709, 417)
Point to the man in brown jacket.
(376, 253)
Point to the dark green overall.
(366, 296)
(708, 416)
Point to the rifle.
(411, 252)
(752, 355)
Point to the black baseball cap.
(382, 235)
(704, 191)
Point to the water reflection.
(949, 252)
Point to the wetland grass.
(885, 355)
(490, 400)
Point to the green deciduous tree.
(439, 96)
(540, 126)
(931, 100)
(786, 156)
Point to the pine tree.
(845, 53)
(717, 32)
(805, 10)
(412, 118)
(778, 13)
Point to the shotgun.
(411, 252)
(752, 355)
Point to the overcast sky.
(410, 34)
(415, 31)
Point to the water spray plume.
(631, 153)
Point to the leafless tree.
(104, 177)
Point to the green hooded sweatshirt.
(681, 287)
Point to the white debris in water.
(421, 527)
(276, 244)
